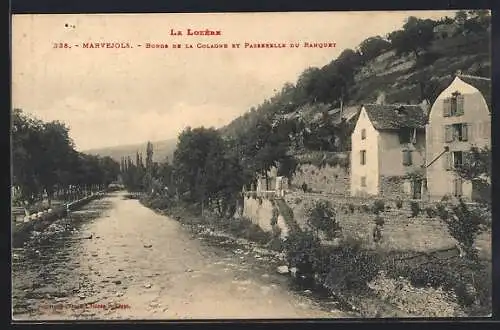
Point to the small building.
(459, 119)
(388, 145)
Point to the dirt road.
(142, 265)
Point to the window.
(454, 105)
(363, 157)
(363, 181)
(458, 158)
(404, 135)
(407, 159)
(363, 134)
(456, 132)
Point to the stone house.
(459, 119)
(388, 145)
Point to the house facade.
(459, 119)
(388, 145)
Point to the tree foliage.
(45, 162)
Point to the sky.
(120, 96)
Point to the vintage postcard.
(251, 165)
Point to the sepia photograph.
(279, 165)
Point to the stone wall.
(260, 212)
(329, 179)
(394, 187)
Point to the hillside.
(409, 66)
(162, 149)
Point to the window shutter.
(447, 107)
(406, 157)
(460, 105)
(447, 161)
(448, 133)
(465, 132)
(458, 187)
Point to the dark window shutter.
(447, 107)
(447, 161)
(448, 133)
(465, 132)
(406, 157)
(460, 105)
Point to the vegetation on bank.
(46, 166)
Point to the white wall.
(476, 114)
(261, 214)
(370, 170)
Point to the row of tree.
(46, 165)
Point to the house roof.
(481, 83)
(348, 113)
(395, 116)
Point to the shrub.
(322, 216)
(431, 212)
(365, 208)
(415, 209)
(352, 267)
(302, 249)
(399, 203)
(276, 231)
(378, 206)
(464, 226)
(274, 217)
(442, 212)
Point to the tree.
(477, 169)
(373, 47)
(415, 37)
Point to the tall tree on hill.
(415, 37)
(373, 47)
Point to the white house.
(388, 143)
(459, 119)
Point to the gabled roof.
(481, 83)
(395, 116)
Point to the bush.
(302, 249)
(431, 212)
(352, 267)
(365, 208)
(464, 226)
(442, 212)
(274, 217)
(415, 209)
(378, 206)
(399, 203)
(322, 216)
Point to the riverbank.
(39, 221)
(369, 283)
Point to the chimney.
(381, 98)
